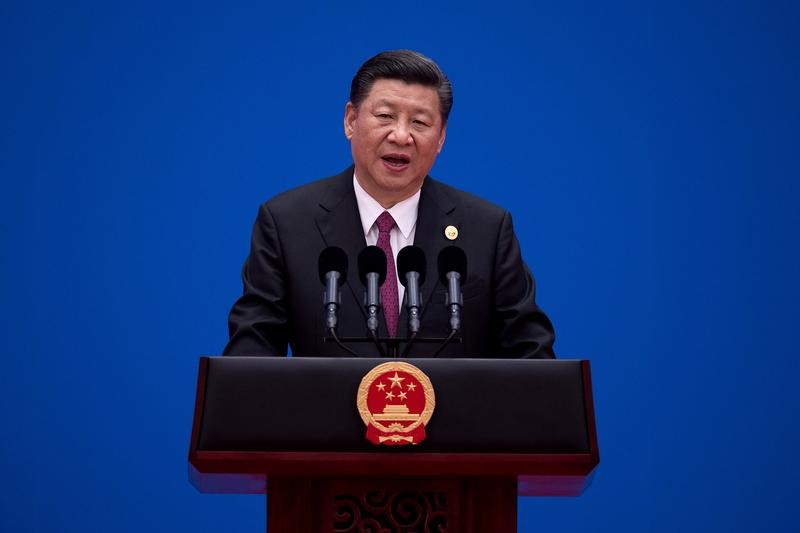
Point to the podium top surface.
(272, 404)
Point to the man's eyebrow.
(416, 110)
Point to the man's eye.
(420, 123)
(384, 115)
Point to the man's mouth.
(396, 160)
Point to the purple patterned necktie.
(389, 298)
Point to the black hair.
(403, 65)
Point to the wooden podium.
(289, 427)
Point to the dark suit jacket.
(282, 300)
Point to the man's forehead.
(393, 92)
(390, 83)
(389, 102)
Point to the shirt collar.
(404, 213)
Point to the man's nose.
(401, 133)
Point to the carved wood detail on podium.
(395, 505)
(385, 511)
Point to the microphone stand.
(390, 346)
(411, 339)
(341, 345)
(374, 336)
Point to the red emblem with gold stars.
(396, 401)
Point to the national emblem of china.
(396, 401)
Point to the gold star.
(389, 395)
(411, 386)
(380, 386)
(396, 381)
(402, 396)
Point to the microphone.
(332, 273)
(372, 272)
(452, 270)
(411, 267)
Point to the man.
(396, 121)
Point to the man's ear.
(441, 139)
(349, 120)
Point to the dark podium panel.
(289, 427)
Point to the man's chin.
(392, 191)
(400, 184)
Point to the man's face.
(395, 135)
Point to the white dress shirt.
(405, 216)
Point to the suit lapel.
(340, 225)
(436, 212)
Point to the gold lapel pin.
(451, 232)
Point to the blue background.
(648, 152)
